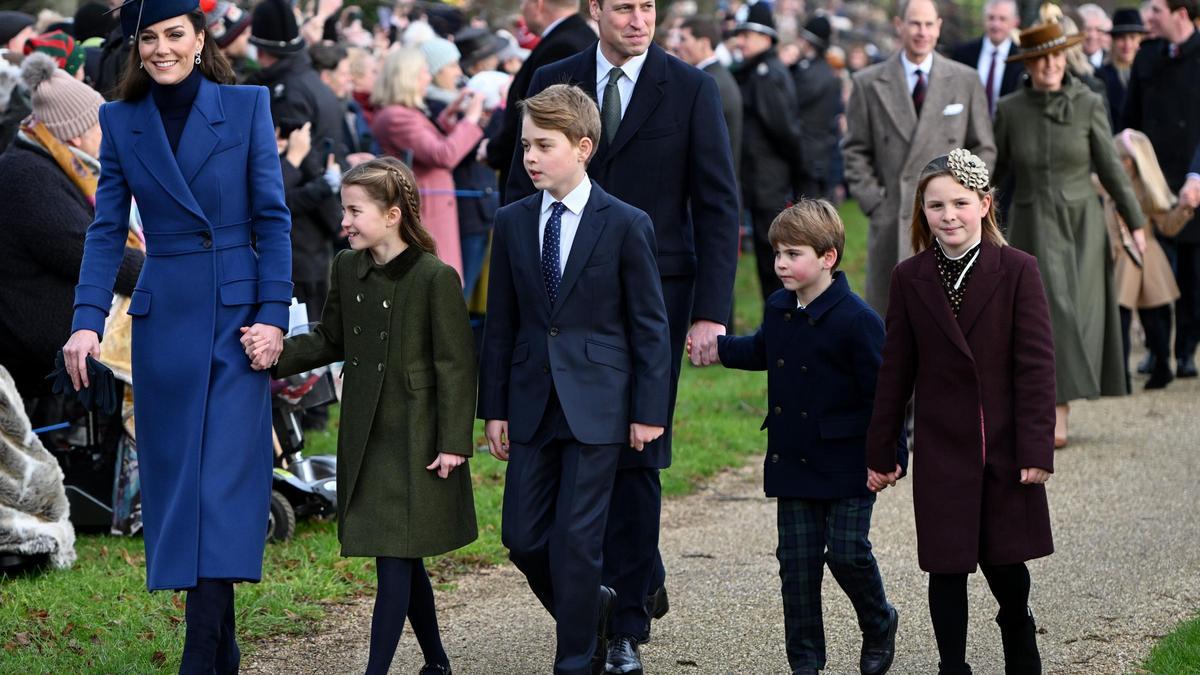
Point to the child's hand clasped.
(878, 482)
(445, 463)
(1034, 475)
(263, 345)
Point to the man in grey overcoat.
(902, 113)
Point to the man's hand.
(1034, 475)
(878, 482)
(703, 340)
(497, 438)
(641, 434)
(445, 463)
(1189, 194)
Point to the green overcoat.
(1050, 143)
(408, 393)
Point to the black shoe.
(657, 604)
(1186, 367)
(608, 600)
(964, 669)
(878, 651)
(1160, 378)
(1018, 635)
(435, 669)
(623, 656)
(1146, 365)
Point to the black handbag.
(99, 396)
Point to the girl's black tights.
(404, 589)
(948, 606)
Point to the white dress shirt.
(910, 70)
(632, 69)
(1097, 58)
(985, 62)
(574, 201)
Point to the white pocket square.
(952, 109)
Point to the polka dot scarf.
(954, 274)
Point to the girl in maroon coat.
(968, 339)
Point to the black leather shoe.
(1186, 367)
(435, 669)
(657, 604)
(1160, 378)
(1146, 365)
(608, 600)
(879, 650)
(623, 656)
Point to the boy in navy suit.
(822, 346)
(575, 365)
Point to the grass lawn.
(98, 617)
(1178, 653)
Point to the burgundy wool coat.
(984, 408)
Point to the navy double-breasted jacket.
(822, 362)
(218, 258)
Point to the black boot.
(961, 669)
(1019, 636)
(1161, 377)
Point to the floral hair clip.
(968, 169)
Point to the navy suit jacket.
(670, 158)
(968, 55)
(602, 346)
(822, 364)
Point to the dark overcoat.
(822, 363)
(203, 416)
(984, 408)
(408, 394)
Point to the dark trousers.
(556, 497)
(764, 253)
(403, 590)
(1157, 323)
(210, 644)
(948, 606)
(1185, 261)
(818, 532)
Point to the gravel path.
(1124, 509)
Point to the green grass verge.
(98, 617)
(1178, 653)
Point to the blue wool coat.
(822, 364)
(203, 417)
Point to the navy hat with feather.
(137, 14)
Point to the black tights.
(210, 644)
(404, 589)
(948, 606)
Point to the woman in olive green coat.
(1051, 134)
(395, 315)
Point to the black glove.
(101, 393)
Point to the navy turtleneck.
(174, 103)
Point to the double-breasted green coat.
(408, 393)
(1050, 143)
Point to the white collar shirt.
(910, 70)
(575, 201)
(708, 62)
(985, 63)
(553, 26)
(1097, 58)
(632, 69)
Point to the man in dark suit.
(667, 154)
(698, 38)
(988, 54)
(819, 100)
(574, 366)
(1163, 102)
(564, 33)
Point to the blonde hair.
(810, 222)
(397, 81)
(1077, 61)
(922, 237)
(1150, 184)
(565, 108)
(388, 182)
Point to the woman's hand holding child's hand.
(878, 482)
(1034, 475)
(445, 463)
(497, 438)
(263, 344)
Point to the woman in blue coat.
(200, 160)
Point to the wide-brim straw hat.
(1043, 39)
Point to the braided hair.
(388, 182)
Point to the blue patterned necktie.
(550, 244)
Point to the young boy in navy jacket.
(822, 346)
(575, 365)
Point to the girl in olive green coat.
(395, 315)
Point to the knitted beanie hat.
(67, 53)
(68, 107)
(439, 53)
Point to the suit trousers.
(813, 533)
(1185, 258)
(556, 497)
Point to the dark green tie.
(610, 118)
